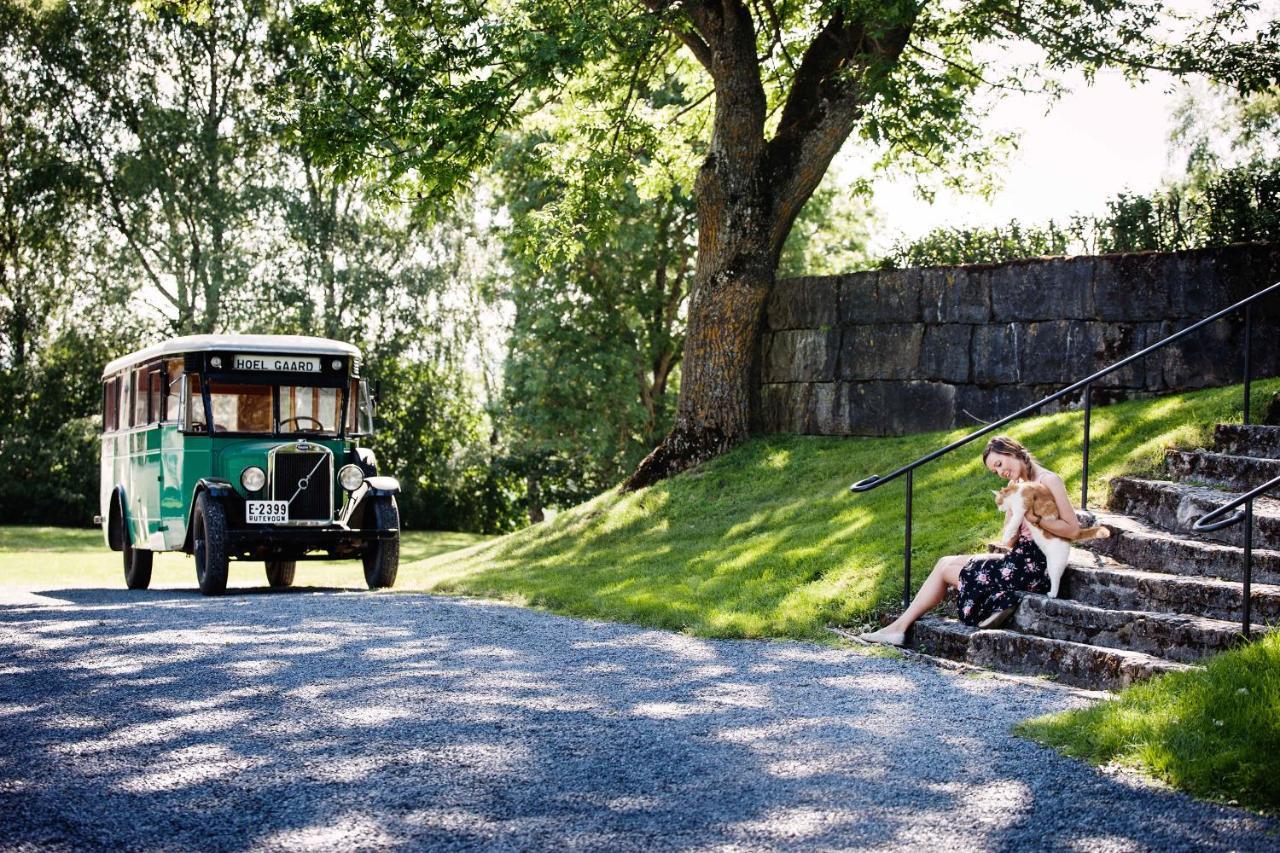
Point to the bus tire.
(115, 522)
(137, 562)
(209, 544)
(382, 558)
(280, 573)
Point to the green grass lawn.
(62, 558)
(1213, 732)
(766, 541)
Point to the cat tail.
(1098, 532)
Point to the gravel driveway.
(341, 720)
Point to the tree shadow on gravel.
(334, 721)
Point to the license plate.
(266, 512)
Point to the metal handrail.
(1210, 522)
(875, 481)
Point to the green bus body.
(158, 467)
(243, 447)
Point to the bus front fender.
(221, 489)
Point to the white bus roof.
(301, 344)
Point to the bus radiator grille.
(313, 502)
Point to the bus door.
(174, 493)
(144, 458)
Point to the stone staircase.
(1153, 598)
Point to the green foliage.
(1236, 205)
(767, 541)
(422, 98)
(1213, 732)
(429, 436)
(592, 358)
(830, 235)
(49, 429)
(158, 109)
(951, 246)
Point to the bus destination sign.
(278, 363)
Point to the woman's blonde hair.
(1011, 447)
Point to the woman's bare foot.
(885, 636)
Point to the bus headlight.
(351, 477)
(253, 478)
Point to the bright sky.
(1095, 142)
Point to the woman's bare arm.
(1066, 524)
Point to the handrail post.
(1084, 466)
(1248, 564)
(1248, 371)
(906, 550)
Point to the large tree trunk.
(735, 266)
(717, 384)
(749, 194)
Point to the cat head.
(1003, 495)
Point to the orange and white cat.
(1016, 500)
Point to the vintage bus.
(244, 447)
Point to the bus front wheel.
(209, 544)
(280, 573)
(382, 559)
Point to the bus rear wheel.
(382, 559)
(137, 561)
(209, 545)
(280, 573)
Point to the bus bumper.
(271, 542)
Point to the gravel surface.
(343, 720)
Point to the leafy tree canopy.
(420, 93)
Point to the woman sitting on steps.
(989, 584)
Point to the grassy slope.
(767, 541)
(1214, 733)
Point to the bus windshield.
(309, 409)
(252, 408)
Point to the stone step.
(1100, 581)
(1176, 506)
(1151, 549)
(1083, 665)
(1241, 473)
(1251, 440)
(1172, 636)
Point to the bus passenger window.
(126, 400)
(173, 406)
(111, 404)
(154, 396)
(195, 405)
(140, 397)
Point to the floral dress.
(990, 583)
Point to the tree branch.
(839, 74)
(695, 41)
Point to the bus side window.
(194, 421)
(155, 397)
(110, 403)
(140, 389)
(126, 400)
(361, 420)
(173, 401)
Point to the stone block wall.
(901, 351)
